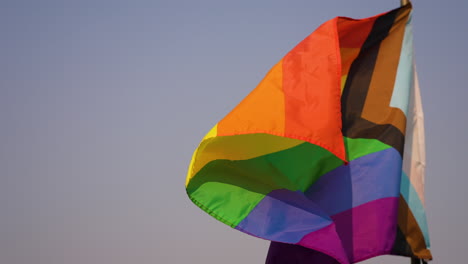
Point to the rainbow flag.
(325, 157)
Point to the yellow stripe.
(211, 134)
(238, 147)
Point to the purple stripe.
(325, 240)
(368, 230)
(363, 232)
(281, 253)
(365, 179)
(360, 233)
(284, 216)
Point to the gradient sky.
(103, 102)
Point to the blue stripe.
(284, 216)
(287, 216)
(365, 179)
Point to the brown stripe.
(377, 106)
(411, 230)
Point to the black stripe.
(361, 70)
(357, 86)
(387, 134)
(401, 247)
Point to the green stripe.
(230, 189)
(358, 147)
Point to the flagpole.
(404, 2)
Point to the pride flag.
(325, 157)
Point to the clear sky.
(103, 102)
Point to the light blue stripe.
(405, 72)
(412, 199)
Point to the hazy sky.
(103, 102)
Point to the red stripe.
(311, 85)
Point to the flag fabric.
(325, 157)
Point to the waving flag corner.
(325, 157)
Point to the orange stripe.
(261, 111)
